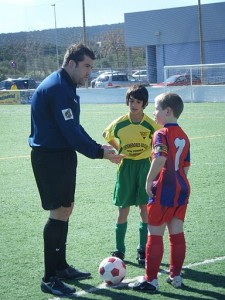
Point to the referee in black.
(56, 135)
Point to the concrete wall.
(188, 94)
(214, 93)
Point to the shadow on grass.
(216, 281)
(134, 264)
(103, 292)
(213, 282)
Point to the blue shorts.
(55, 175)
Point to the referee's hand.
(110, 154)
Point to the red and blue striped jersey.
(171, 188)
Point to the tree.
(34, 52)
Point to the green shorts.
(130, 183)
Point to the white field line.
(206, 136)
(14, 157)
(205, 262)
(191, 138)
(100, 166)
(129, 280)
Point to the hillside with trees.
(34, 53)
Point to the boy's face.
(136, 106)
(160, 114)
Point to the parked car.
(177, 80)
(21, 84)
(94, 75)
(92, 83)
(113, 80)
(140, 75)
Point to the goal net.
(197, 83)
(206, 73)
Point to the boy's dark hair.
(77, 52)
(139, 92)
(173, 101)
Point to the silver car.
(140, 75)
(114, 80)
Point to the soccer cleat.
(72, 273)
(176, 281)
(56, 287)
(143, 285)
(141, 257)
(118, 254)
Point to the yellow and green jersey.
(135, 139)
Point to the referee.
(56, 135)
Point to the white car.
(113, 80)
(140, 75)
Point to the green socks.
(143, 233)
(120, 230)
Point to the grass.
(91, 233)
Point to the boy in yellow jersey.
(131, 135)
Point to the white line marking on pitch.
(205, 262)
(14, 157)
(206, 136)
(126, 281)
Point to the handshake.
(111, 154)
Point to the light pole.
(56, 39)
(84, 24)
(100, 53)
(200, 32)
(201, 39)
(84, 33)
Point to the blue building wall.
(173, 35)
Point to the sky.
(31, 15)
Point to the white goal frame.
(212, 87)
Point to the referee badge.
(67, 114)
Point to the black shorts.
(55, 175)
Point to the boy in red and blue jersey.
(169, 190)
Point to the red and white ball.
(112, 270)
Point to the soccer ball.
(112, 270)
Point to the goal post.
(205, 82)
(209, 74)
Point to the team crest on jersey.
(160, 148)
(67, 114)
(144, 134)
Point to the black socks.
(55, 236)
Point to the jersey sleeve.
(109, 132)
(159, 145)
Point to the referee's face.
(82, 70)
